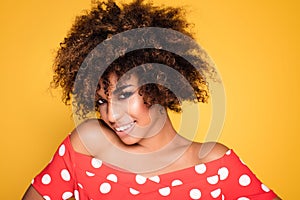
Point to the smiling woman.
(125, 111)
(132, 151)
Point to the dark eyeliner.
(125, 95)
(101, 101)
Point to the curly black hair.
(107, 19)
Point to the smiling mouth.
(125, 127)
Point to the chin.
(129, 140)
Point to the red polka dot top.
(71, 174)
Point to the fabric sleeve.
(242, 183)
(56, 180)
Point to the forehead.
(114, 83)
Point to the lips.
(124, 127)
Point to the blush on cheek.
(139, 111)
(102, 112)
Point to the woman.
(123, 68)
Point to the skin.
(126, 107)
(139, 115)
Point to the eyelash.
(122, 96)
(101, 101)
(125, 95)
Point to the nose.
(113, 111)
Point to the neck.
(159, 140)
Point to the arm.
(56, 179)
(32, 194)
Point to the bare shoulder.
(210, 151)
(92, 136)
(75, 138)
(87, 129)
(87, 126)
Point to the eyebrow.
(118, 89)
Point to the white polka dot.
(62, 150)
(155, 179)
(46, 179)
(223, 197)
(216, 193)
(244, 180)
(67, 195)
(213, 179)
(164, 191)
(46, 197)
(32, 181)
(80, 185)
(76, 194)
(96, 163)
(140, 179)
(176, 182)
(195, 194)
(228, 152)
(133, 191)
(105, 188)
(65, 175)
(265, 188)
(112, 177)
(89, 173)
(200, 169)
(243, 198)
(223, 173)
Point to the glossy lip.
(125, 131)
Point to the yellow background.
(255, 45)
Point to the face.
(124, 111)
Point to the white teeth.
(123, 128)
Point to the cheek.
(102, 111)
(138, 110)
